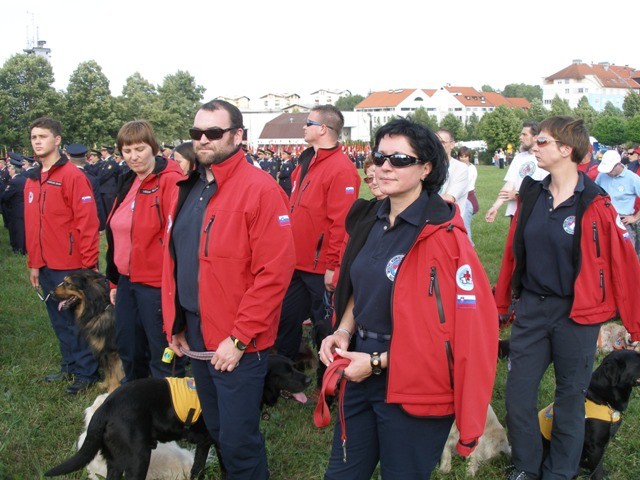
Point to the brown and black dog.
(87, 293)
(140, 413)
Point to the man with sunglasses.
(523, 165)
(324, 186)
(61, 222)
(633, 156)
(228, 262)
(456, 186)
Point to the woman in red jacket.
(415, 316)
(135, 230)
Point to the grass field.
(39, 423)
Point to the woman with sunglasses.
(414, 315)
(369, 170)
(574, 269)
(135, 230)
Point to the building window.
(566, 90)
(581, 90)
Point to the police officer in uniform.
(284, 177)
(13, 204)
(108, 173)
(271, 163)
(78, 156)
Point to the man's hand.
(227, 356)
(178, 340)
(34, 277)
(629, 219)
(328, 280)
(490, 216)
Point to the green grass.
(39, 423)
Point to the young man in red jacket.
(62, 236)
(325, 185)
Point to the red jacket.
(319, 206)
(61, 220)
(246, 258)
(606, 263)
(444, 339)
(153, 202)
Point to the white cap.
(609, 160)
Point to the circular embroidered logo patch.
(527, 169)
(191, 383)
(621, 188)
(464, 279)
(569, 224)
(392, 267)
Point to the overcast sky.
(255, 47)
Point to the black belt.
(364, 333)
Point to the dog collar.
(601, 412)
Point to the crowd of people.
(222, 263)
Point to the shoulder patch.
(464, 278)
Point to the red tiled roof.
(609, 76)
(387, 98)
(468, 96)
(287, 125)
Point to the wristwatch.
(376, 363)
(239, 345)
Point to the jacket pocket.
(70, 243)
(447, 346)
(318, 249)
(207, 232)
(434, 289)
(156, 205)
(596, 239)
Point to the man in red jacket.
(227, 264)
(324, 186)
(62, 236)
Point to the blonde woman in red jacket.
(135, 234)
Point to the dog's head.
(282, 376)
(79, 287)
(614, 378)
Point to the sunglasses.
(214, 133)
(542, 141)
(399, 160)
(368, 180)
(311, 123)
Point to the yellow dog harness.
(591, 410)
(185, 399)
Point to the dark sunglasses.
(399, 160)
(311, 123)
(542, 141)
(211, 133)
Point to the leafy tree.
(633, 129)
(610, 130)
(521, 90)
(423, 118)
(471, 127)
(560, 106)
(139, 100)
(631, 104)
(487, 88)
(348, 102)
(453, 124)
(26, 93)
(500, 127)
(179, 99)
(586, 112)
(611, 111)
(90, 116)
(537, 111)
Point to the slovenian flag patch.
(283, 221)
(466, 301)
(349, 190)
(86, 199)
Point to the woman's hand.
(360, 366)
(112, 296)
(338, 340)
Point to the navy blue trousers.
(303, 300)
(407, 447)
(541, 334)
(139, 336)
(77, 357)
(231, 407)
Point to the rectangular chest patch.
(467, 302)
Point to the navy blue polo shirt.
(548, 243)
(374, 269)
(187, 231)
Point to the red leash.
(333, 383)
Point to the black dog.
(139, 414)
(609, 390)
(86, 292)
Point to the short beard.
(206, 157)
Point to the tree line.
(92, 115)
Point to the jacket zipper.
(434, 287)
(596, 239)
(447, 346)
(70, 243)
(207, 230)
(156, 204)
(318, 248)
(602, 284)
(302, 190)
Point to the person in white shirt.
(455, 187)
(471, 207)
(524, 164)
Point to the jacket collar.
(227, 168)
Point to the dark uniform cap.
(286, 152)
(77, 150)
(16, 163)
(260, 150)
(268, 150)
(28, 159)
(15, 156)
(94, 151)
(108, 148)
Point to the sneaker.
(78, 386)
(54, 377)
